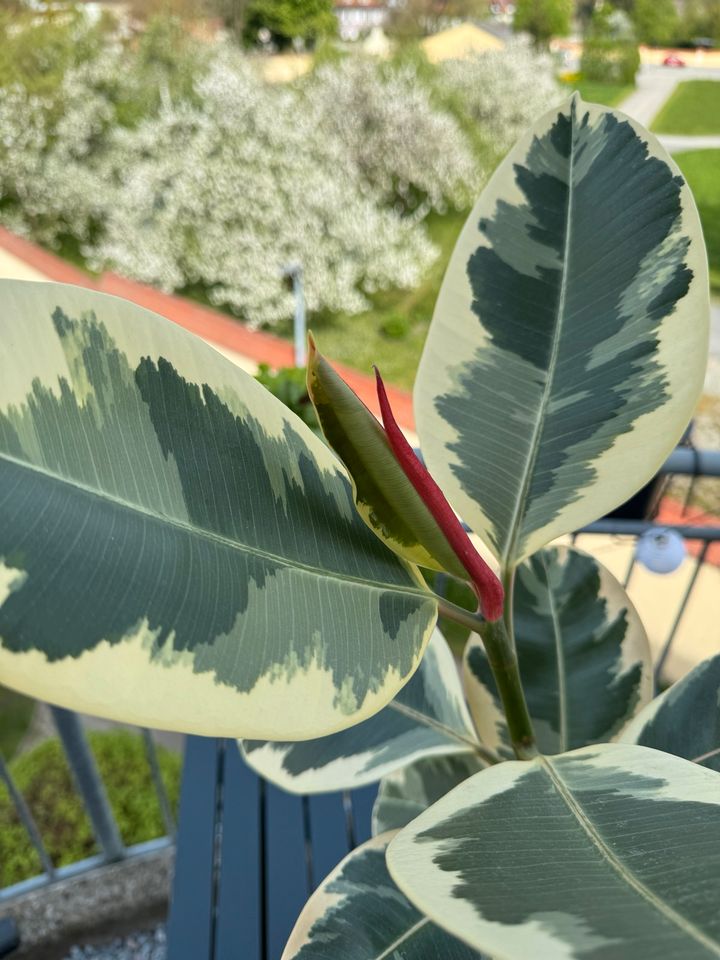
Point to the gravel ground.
(148, 945)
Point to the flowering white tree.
(199, 173)
(51, 150)
(401, 142)
(502, 91)
(225, 193)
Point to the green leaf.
(176, 548)
(428, 717)
(358, 913)
(583, 653)
(685, 720)
(405, 793)
(384, 496)
(612, 851)
(569, 341)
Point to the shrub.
(54, 148)
(44, 778)
(288, 385)
(610, 61)
(396, 326)
(287, 20)
(610, 52)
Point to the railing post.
(681, 610)
(27, 820)
(155, 773)
(89, 784)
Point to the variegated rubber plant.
(178, 550)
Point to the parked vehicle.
(673, 60)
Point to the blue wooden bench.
(249, 855)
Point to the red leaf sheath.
(487, 585)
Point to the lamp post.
(294, 273)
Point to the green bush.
(45, 780)
(607, 60)
(396, 326)
(37, 52)
(288, 385)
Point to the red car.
(673, 60)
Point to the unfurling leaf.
(486, 583)
(384, 497)
(396, 497)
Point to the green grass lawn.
(702, 171)
(15, 714)
(609, 94)
(393, 332)
(693, 108)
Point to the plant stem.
(504, 665)
(507, 577)
(466, 618)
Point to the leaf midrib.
(510, 553)
(560, 660)
(409, 933)
(428, 721)
(215, 537)
(619, 867)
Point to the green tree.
(231, 12)
(610, 53)
(35, 52)
(289, 19)
(656, 21)
(700, 18)
(543, 19)
(417, 18)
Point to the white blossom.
(503, 91)
(225, 193)
(222, 185)
(400, 141)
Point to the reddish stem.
(487, 585)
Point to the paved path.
(654, 85)
(677, 143)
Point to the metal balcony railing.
(91, 790)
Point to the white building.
(358, 17)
